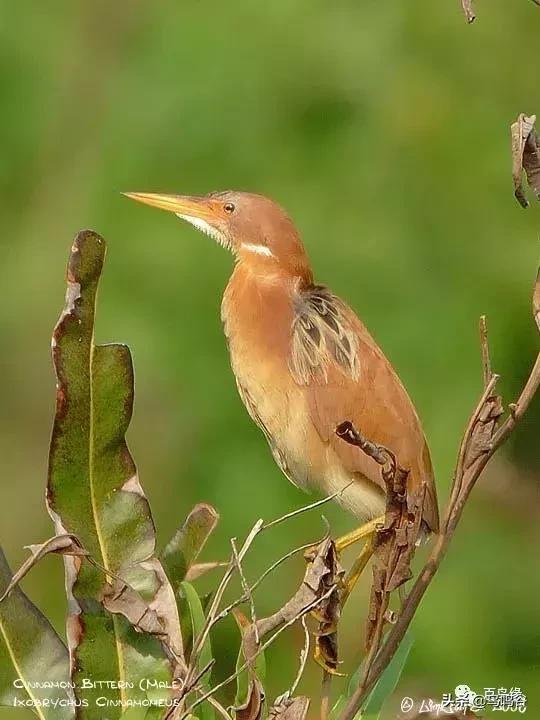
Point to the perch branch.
(480, 442)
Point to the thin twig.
(484, 345)
(209, 665)
(464, 445)
(261, 649)
(246, 589)
(214, 606)
(216, 705)
(304, 654)
(243, 598)
(325, 695)
(305, 508)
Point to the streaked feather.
(321, 336)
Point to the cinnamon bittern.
(304, 362)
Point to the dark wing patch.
(321, 335)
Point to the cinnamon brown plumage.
(302, 359)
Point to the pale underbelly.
(304, 457)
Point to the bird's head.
(254, 228)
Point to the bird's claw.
(322, 658)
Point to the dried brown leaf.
(468, 10)
(121, 598)
(287, 708)
(525, 157)
(61, 544)
(163, 603)
(328, 610)
(253, 708)
(250, 692)
(199, 569)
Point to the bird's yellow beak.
(183, 205)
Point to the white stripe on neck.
(258, 249)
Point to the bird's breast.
(257, 318)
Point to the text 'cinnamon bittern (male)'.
(304, 362)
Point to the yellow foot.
(325, 654)
(326, 651)
(360, 533)
(357, 569)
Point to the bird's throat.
(257, 313)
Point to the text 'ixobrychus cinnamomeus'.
(304, 362)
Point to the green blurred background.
(384, 129)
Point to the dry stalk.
(482, 438)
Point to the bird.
(304, 362)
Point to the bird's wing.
(321, 338)
(347, 377)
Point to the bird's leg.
(356, 570)
(325, 642)
(325, 653)
(359, 533)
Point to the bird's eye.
(229, 208)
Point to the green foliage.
(382, 690)
(30, 652)
(94, 493)
(243, 685)
(383, 129)
(197, 616)
(179, 556)
(388, 681)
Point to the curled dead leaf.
(525, 157)
(253, 708)
(121, 598)
(61, 544)
(468, 10)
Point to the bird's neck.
(258, 307)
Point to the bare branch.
(346, 431)
(233, 676)
(318, 584)
(325, 695)
(216, 705)
(245, 588)
(480, 442)
(198, 642)
(484, 344)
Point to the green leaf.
(135, 713)
(382, 690)
(184, 548)
(94, 493)
(388, 681)
(31, 653)
(205, 657)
